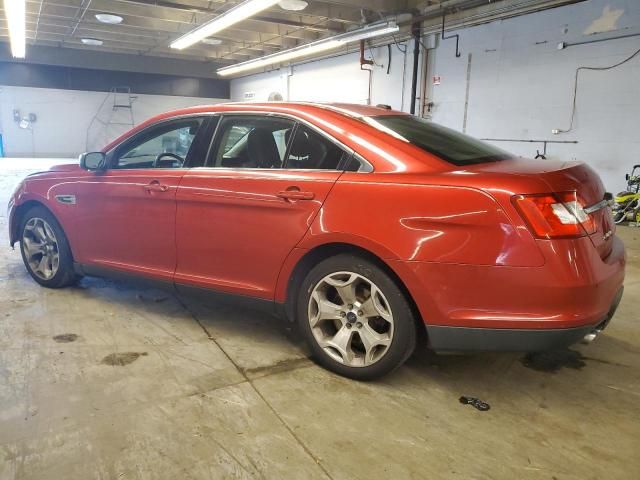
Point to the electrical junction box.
(430, 41)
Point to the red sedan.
(365, 225)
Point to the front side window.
(452, 146)
(251, 142)
(164, 146)
(310, 150)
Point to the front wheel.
(45, 249)
(356, 320)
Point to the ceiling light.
(15, 13)
(230, 17)
(211, 41)
(281, 57)
(109, 18)
(91, 41)
(293, 5)
(318, 46)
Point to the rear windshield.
(452, 146)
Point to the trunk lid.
(566, 177)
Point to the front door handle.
(156, 186)
(294, 193)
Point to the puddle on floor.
(66, 338)
(554, 361)
(122, 359)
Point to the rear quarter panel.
(417, 219)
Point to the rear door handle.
(295, 194)
(156, 186)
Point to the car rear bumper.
(476, 307)
(461, 339)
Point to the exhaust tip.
(590, 337)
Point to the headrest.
(301, 146)
(262, 148)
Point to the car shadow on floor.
(276, 342)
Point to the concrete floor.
(109, 381)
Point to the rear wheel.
(355, 319)
(618, 216)
(45, 249)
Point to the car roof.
(346, 126)
(348, 109)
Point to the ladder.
(114, 117)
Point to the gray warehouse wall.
(70, 122)
(520, 84)
(73, 109)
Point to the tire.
(378, 331)
(618, 217)
(42, 236)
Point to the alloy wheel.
(40, 248)
(351, 319)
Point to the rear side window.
(251, 142)
(310, 150)
(452, 146)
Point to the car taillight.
(555, 215)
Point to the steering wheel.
(175, 157)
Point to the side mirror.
(93, 161)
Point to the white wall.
(520, 84)
(337, 79)
(64, 118)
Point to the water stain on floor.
(122, 359)
(66, 338)
(152, 298)
(279, 367)
(554, 360)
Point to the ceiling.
(149, 26)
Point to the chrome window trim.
(153, 125)
(368, 167)
(365, 163)
(254, 169)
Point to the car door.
(126, 214)
(240, 216)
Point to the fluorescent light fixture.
(211, 41)
(92, 41)
(281, 57)
(331, 43)
(238, 13)
(16, 20)
(293, 5)
(109, 18)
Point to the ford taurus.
(369, 227)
